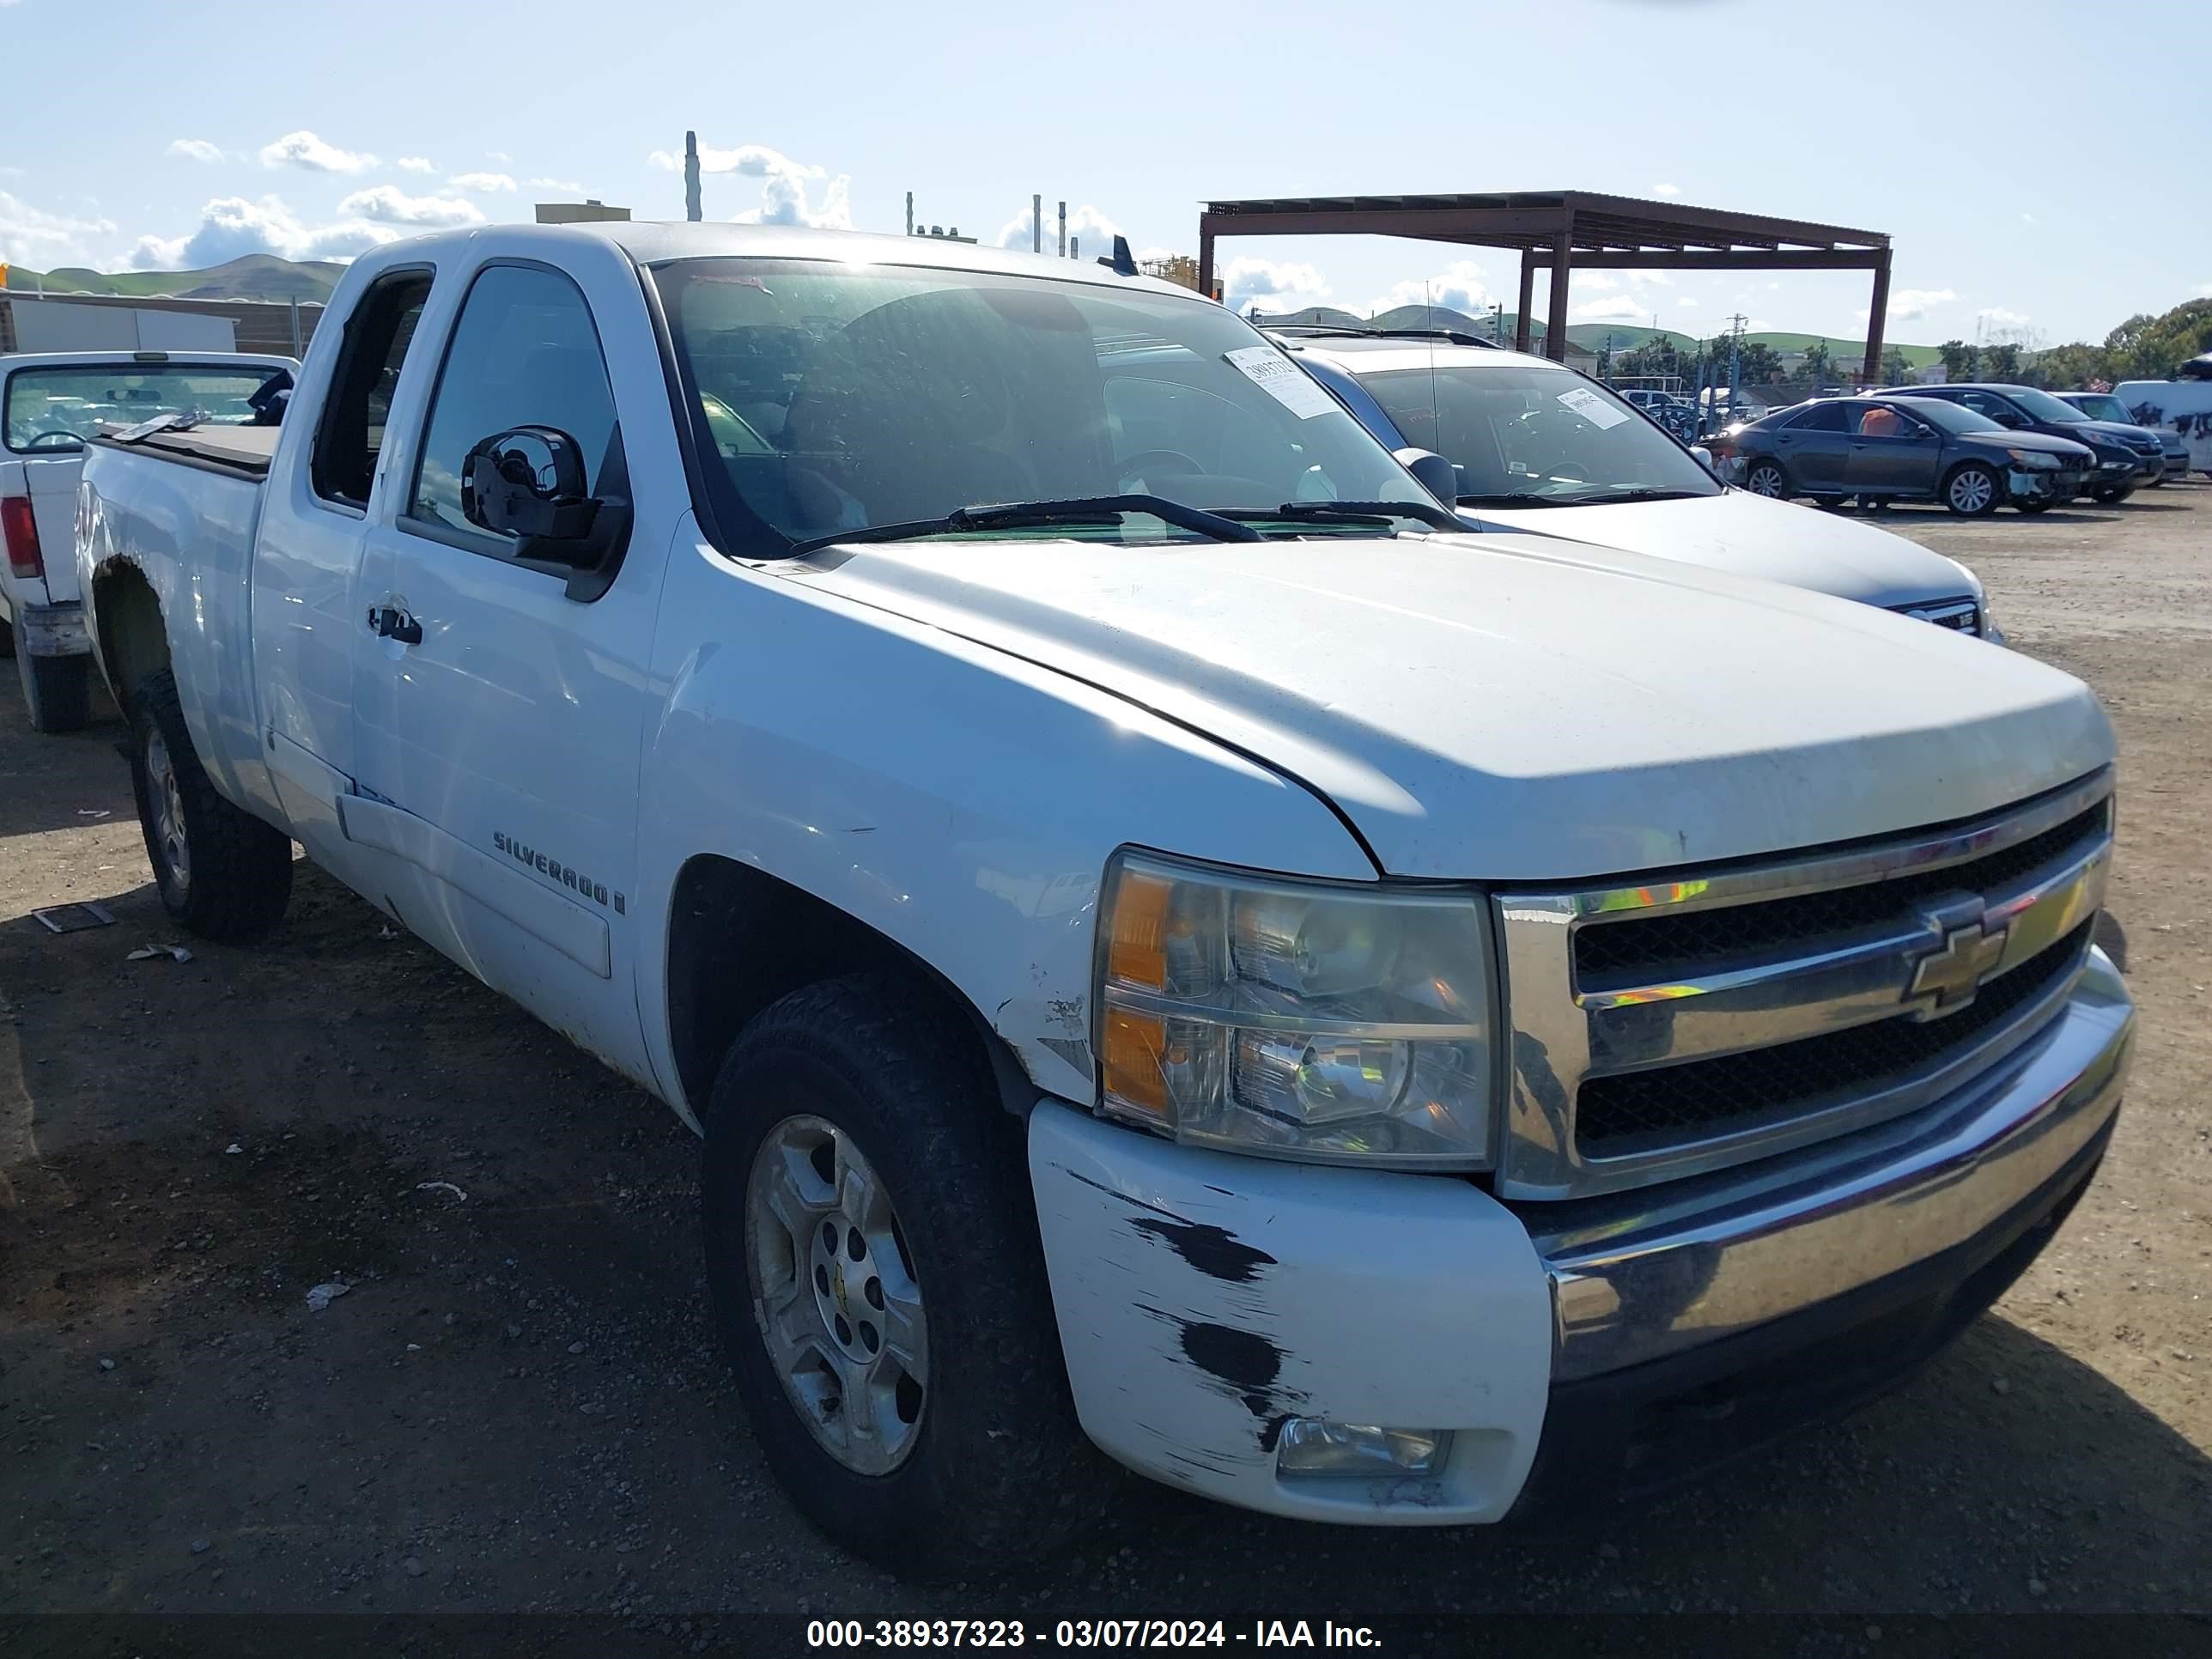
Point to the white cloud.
(2029, 219)
(303, 150)
(34, 237)
(483, 183)
(2203, 289)
(195, 150)
(753, 160)
(1274, 286)
(1998, 316)
(1651, 278)
(1619, 309)
(417, 164)
(784, 202)
(785, 198)
(1594, 282)
(1685, 299)
(1093, 230)
(498, 155)
(569, 187)
(1909, 304)
(387, 204)
(231, 227)
(1666, 189)
(1459, 289)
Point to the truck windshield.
(844, 397)
(1514, 431)
(2102, 406)
(54, 409)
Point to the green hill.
(255, 276)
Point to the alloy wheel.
(168, 803)
(1764, 480)
(835, 1296)
(1972, 490)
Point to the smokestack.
(1037, 224)
(691, 177)
(1063, 230)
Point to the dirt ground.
(517, 1405)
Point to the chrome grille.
(1714, 1016)
(1960, 616)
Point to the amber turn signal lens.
(1139, 953)
(1135, 1046)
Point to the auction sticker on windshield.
(1283, 380)
(1594, 409)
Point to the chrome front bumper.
(1650, 1274)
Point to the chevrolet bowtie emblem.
(1950, 973)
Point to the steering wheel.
(1174, 460)
(38, 438)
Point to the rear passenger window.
(351, 435)
(1823, 417)
(524, 353)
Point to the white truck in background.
(1171, 945)
(49, 404)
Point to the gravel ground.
(516, 1405)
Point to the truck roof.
(654, 242)
(119, 358)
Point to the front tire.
(2033, 507)
(1973, 491)
(57, 691)
(223, 873)
(878, 1283)
(1767, 477)
(2112, 497)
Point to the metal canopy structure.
(1559, 230)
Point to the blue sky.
(160, 134)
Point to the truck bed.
(242, 450)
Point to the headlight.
(2033, 460)
(1258, 1014)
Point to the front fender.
(959, 801)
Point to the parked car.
(1165, 936)
(2127, 456)
(1537, 447)
(2104, 406)
(1887, 449)
(49, 404)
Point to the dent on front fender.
(1206, 1300)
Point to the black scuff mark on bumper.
(1215, 1251)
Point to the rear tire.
(2033, 507)
(2112, 497)
(1973, 491)
(57, 691)
(977, 1463)
(1766, 477)
(7, 638)
(223, 873)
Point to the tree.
(1816, 368)
(2067, 367)
(2000, 362)
(1895, 370)
(1760, 363)
(1961, 360)
(2147, 347)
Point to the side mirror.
(529, 482)
(1702, 456)
(1433, 472)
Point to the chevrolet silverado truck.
(49, 404)
(1171, 944)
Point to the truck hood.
(1751, 536)
(1516, 709)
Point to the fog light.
(1317, 1445)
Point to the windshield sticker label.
(1282, 380)
(1594, 409)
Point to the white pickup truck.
(49, 404)
(1164, 937)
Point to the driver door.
(1896, 455)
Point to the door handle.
(389, 622)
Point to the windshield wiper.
(1008, 515)
(1512, 498)
(1349, 513)
(1634, 492)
